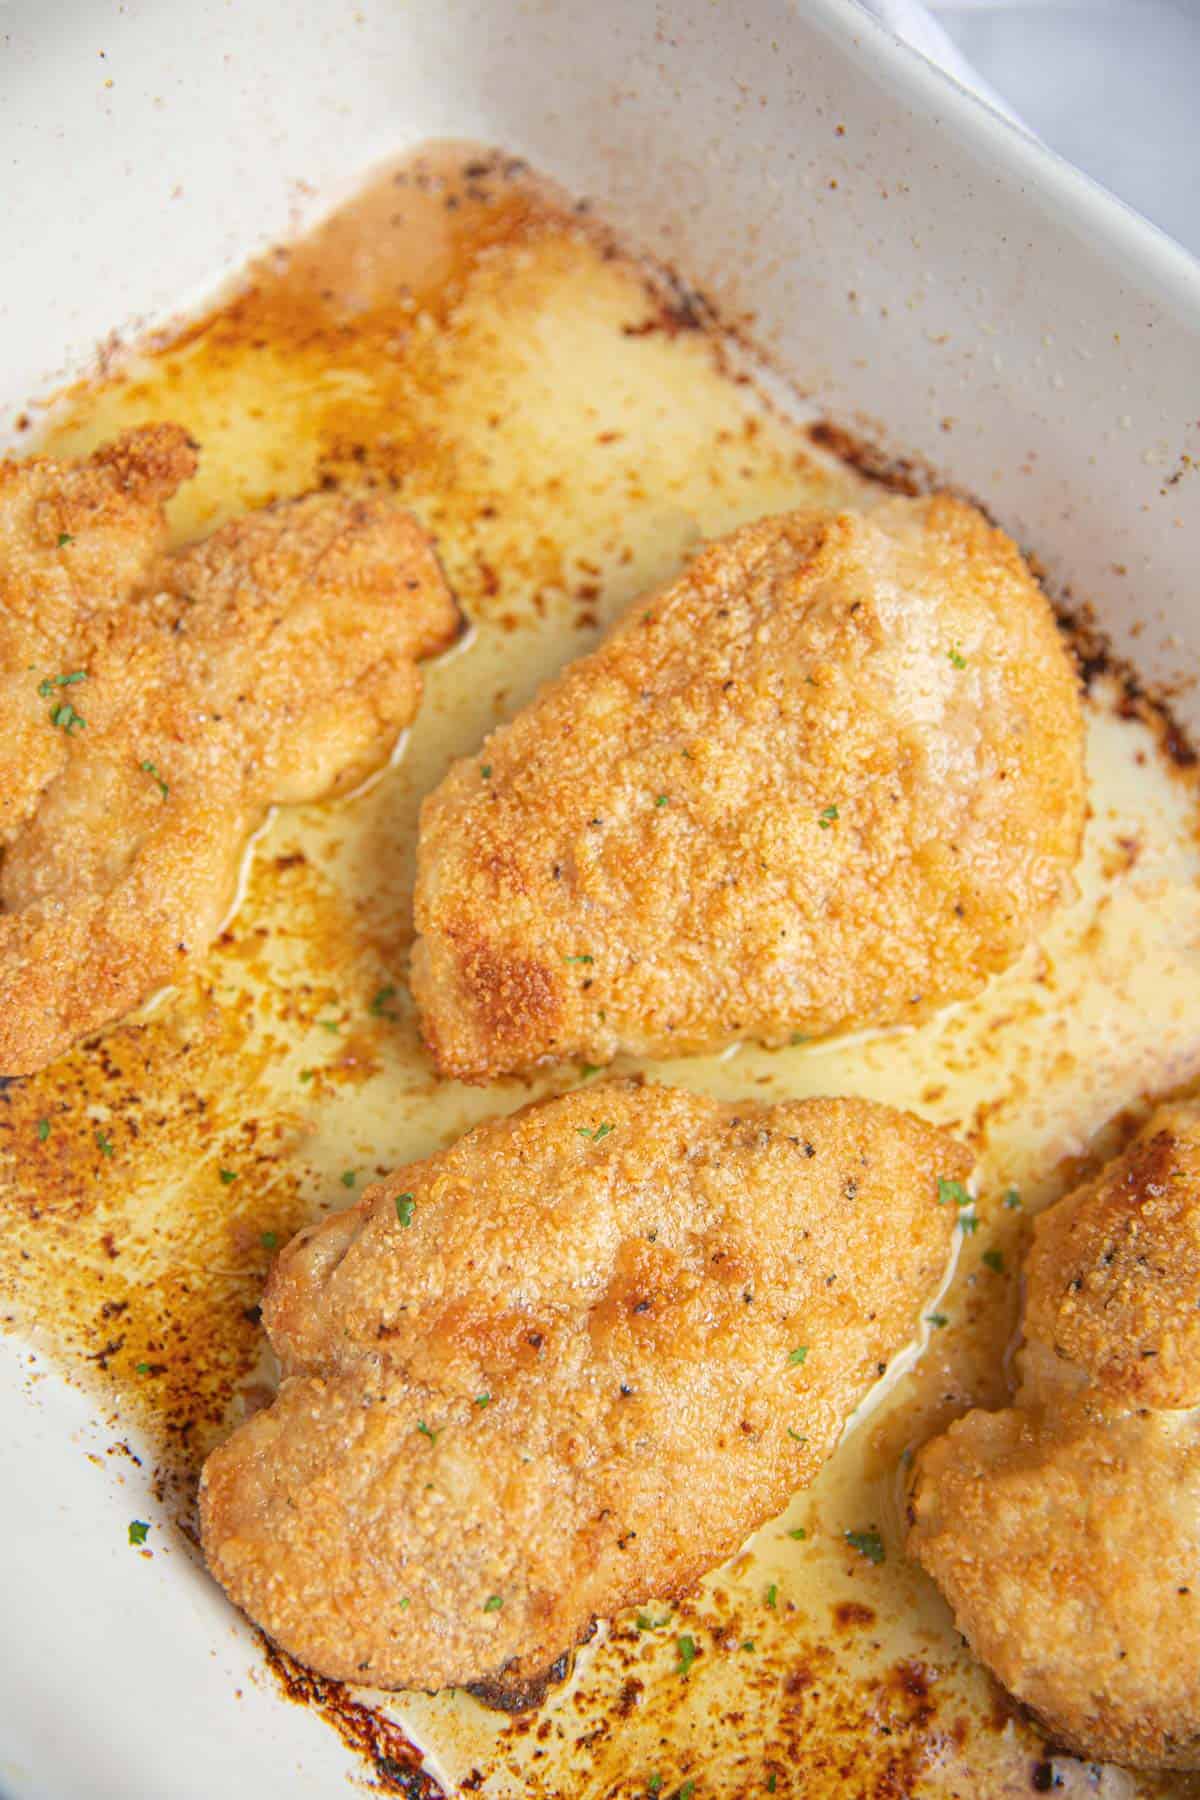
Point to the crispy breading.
(831, 777)
(564, 1365)
(1065, 1532)
(271, 663)
(75, 540)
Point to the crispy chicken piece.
(274, 662)
(75, 540)
(1065, 1532)
(830, 777)
(566, 1364)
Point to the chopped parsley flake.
(1012, 1199)
(486, 771)
(952, 1192)
(43, 1130)
(654, 1784)
(268, 1240)
(378, 1006)
(957, 658)
(138, 1531)
(645, 1623)
(868, 1544)
(798, 1532)
(143, 1368)
(402, 1603)
(772, 1595)
(770, 1784)
(307, 1074)
(795, 1436)
(687, 1790)
(66, 718)
(994, 1260)
(747, 1643)
(349, 1177)
(148, 768)
(798, 1355)
(663, 800)
(937, 1320)
(587, 1070)
(227, 1176)
(330, 1024)
(103, 1142)
(482, 1399)
(686, 1647)
(47, 687)
(424, 1430)
(968, 1223)
(827, 817)
(601, 1131)
(799, 1037)
(405, 1207)
(493, 1603)
(65, 538)
(579, 959)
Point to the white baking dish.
(906, 257)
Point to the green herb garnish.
(405, 1207)
(485, 770)
(772, 1595)
(379, 1003)
(686, 1647)
(349, 1177)
(952, 1192)
(968, 1223)
(138, 1531)
(104, 1142)
(47, 687)
(994, 1260)
(798, 1532)
(268, 1240)
(424, 1430)
(66, 718)
(493, 1603)
(227, 1176)
(957, 658)
(43, 1130)
(579, 959)
(645, 1623)
(148, 768)
(798, 1355)
(601, 1131)
(65, 538)
(482, 1399)
(795, 1436)
(1012, 1199)
(937, 1320)
(868, 1544)
(827, 817)
(663, 800)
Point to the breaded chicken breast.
(566, 1364)
(271, 663)
(75, 540)
(830, 777)
(1065, 1532)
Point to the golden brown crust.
(1065, 1532)
(271, 663)
(1114, 1273)
(74, 539)
(626, 1273)
(832, 776)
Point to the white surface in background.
(1110, 84)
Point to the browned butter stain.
(569, 424)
